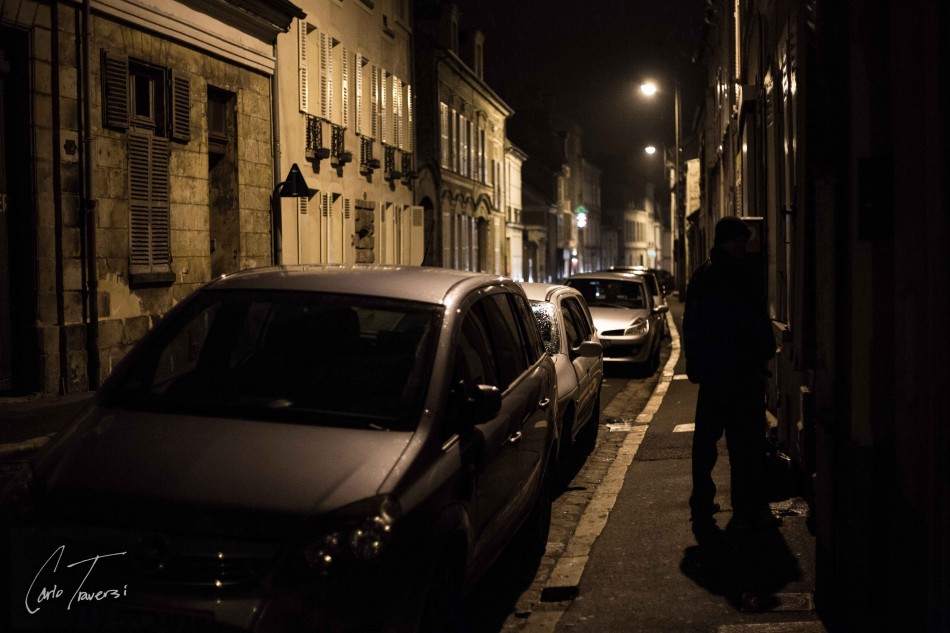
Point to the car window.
(611, 293)
(532, 335)
(324, 359)
(508, 343)
(547, 323)
(572, 331)
(651, 283)
(581, 319)
(474, 356)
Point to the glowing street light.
(648, 88)
(650, 149)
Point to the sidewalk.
(643, 571)
(27, 423)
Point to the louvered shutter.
(446, 239)
(302, 76)
(148, 203)
(397, 108)
(383, 109)
(358, 124)
(161, 254)
(326, 79)
(417, 236)
(181, 108)
(374, 102)
(347, 249)
(410, 125)
(115, 91)
(444, 132)
(345, 89)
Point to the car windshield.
(547, 321)
(321, 359)
(610, 293)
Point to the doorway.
(18, 355)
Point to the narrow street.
(621, 557)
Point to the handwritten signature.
(34, 599)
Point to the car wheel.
(565, 448)
(588, 435)
(532, 538)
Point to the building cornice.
(233, 30)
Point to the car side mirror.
(481, 403)
(587, 349)
(661, 309)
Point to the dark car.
(298, 449)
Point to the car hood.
(606, 319)
(264, 467)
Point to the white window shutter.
(374, 102)
(345, 89)
(416, 235)
(397, 112)
(324, 76)
(358, 123)
(446, 239)
(383, 109)
(303, 81)
(497, 240)
(444, 131)
(410, 131)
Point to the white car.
(570, 338)
(628, 322)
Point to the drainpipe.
(89, 210)
(276, 219)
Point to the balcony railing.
(315, 150)
(338, 154)
(367, 162)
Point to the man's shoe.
(756, 521)
(705, 513)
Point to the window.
(581, 320)
(446, 147)
(153, 106)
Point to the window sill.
(145, 280)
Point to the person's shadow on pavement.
(748, 568)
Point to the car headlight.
(365, 531)
(639, 326)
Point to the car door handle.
(544, 403)
(514, 438)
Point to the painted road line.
(565, 578)
(685, 428)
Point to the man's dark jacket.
(726, 331)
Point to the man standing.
(727, 339)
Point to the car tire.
(565, 449)
(532, 537)
(587, 438)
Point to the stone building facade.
(137, 164)
(824, 122)
(461, 146)
(347, 119)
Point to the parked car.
(627, 321)
(570, 338)
(653, 283)
(300, 449)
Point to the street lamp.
(677, 211)
(293, 186)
